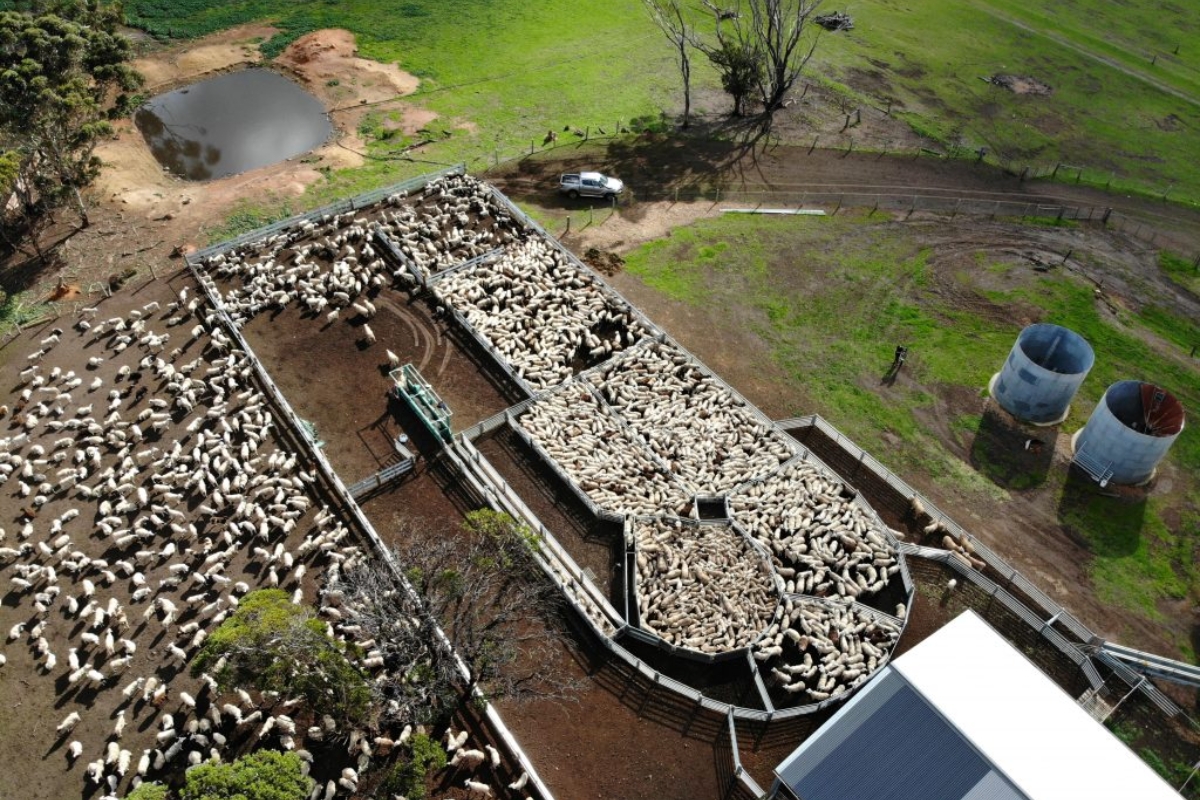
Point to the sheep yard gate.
(423, 400)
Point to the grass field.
(831, 297)
(1111, 111)
(510, 71)
(499, 73)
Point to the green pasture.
(501, 73)
(1110, 111)
(830, 298)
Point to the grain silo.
(1042, 373)
(1130, 431)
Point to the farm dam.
(267, 416)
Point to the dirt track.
(655, 167)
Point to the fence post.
(1024, 173)
(814, 144)
(1107, 214)
(848, 149)
(587, 132)
(1054, 174)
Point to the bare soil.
(1021, 84)
(35, 699)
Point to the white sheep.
(475, 787)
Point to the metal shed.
(965, 716)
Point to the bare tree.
(774, 36)
(481, 584)
(669, 16)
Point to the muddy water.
(232, 123)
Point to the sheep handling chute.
(423, 400)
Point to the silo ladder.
(1100, 472)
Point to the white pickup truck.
(589, 184)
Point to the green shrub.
(273, 644)
(265, 775)
(407, 777)
(148, 791)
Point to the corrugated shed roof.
(1027, 727)
(887, 743)
(965, 716)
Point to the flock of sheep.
(327, 266)
(705, 434)
(150, 503)
(647, 432)
(600, 456)
(820, 649)
(542, 315)
(822, 541)
(702, 587)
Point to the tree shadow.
(683, 165)
(20, 268)
(1108, 523)
(1010, 454)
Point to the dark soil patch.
(605, 262)
(1170, 123)
(1021, 84)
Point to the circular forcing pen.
(232, 123)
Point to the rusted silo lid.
(1163, 413)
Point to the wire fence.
(1079, 639)
(312, 452)
(1148, 227)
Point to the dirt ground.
(36, 699)
(143, 204)
(583, 747)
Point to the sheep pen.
(545, 316)
(701, 587)
(636, 425)
(150, 492)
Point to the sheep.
(69, 722)
(469, 759)
(477, 788)
(368, 334)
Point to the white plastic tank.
(1128, 434)
(1042, 374)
